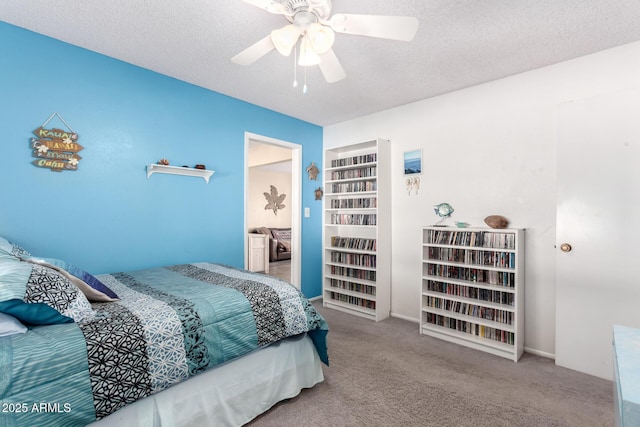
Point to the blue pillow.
(33, 313)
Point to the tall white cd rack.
(472, 288)
(357, 229)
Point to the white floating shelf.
(175, 170)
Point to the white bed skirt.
(231, 394)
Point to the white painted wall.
(260, 180)
(489, 149)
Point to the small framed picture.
(413, 162)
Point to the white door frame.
(296, 200)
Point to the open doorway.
(274, 163)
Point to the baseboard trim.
(540, 353)
(414, 320)
(403, 317)
(319, 297)
(526, 349)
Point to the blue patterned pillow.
(38, 295)
(102, 292)
(47, 286)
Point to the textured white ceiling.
(460, 43)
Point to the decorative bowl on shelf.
(496, 221)
(462, 224)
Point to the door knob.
(565, 247)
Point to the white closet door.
(598, 214)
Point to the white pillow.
(9, 325)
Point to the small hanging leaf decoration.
(275, 200)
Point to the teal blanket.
(170, 323)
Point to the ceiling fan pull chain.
(304, 88)
(295, 65)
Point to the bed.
(189, 344)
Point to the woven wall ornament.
(274, 200)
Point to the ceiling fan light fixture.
(315, 27)
(321, 38)
(285, 38)
(308, 56)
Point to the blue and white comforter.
(170, 323)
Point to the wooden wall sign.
(56, 149)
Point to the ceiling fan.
(310, 21)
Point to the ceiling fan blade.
(402, 28)
(331, 68)
(254, 52)
(268, 5)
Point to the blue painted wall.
(107, 216)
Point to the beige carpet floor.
(386, 374)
